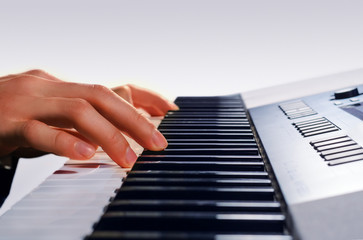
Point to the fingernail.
(174, 106)
(130, 156)
(159, 140)
(85, 149)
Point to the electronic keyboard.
(292, 169)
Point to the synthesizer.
(291, 169)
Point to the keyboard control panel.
(314, 147)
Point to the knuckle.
(101, 94)
(125, 93)
(37, 72)
(59, 138)
(100, 89)
(127, 90)
(130, 86)
(79, 107)
(139, 117)
(115, 138)
(141, 120)
(122, 89)
(24, 83)
(29, 130)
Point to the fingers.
(37, 101)
(79, 114)
(152, 102)
(115, 109)
(40, 136)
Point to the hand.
(151, 102)
(70, 119)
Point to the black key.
(201, 158)
(209, 100)
(208, 135)
(205, 151)
(211, 140)
(211, 131)
(203, 103)
(200, 120)
(167, 235)
(201, 116)
(202, 113)
(201, 109)
(201, 174)
(195, 193)
(200, 182)
(191, 221)
(194, 205)
(166, 126)
(208, 105)
(231, 97)
(173, 145)
(205, 121)
(198, 166)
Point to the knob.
(346, 93)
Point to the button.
(354, 99)
(346, 160)
(346, 93)
(322, 140)
(335, 146)
(337, 103)
(343, 154)
(340, 150)
(330, 142)
(320, 132)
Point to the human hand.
(143, 98)
(71, 119)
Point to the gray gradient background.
(182, 47)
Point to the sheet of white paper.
(29, 174)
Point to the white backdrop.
(182, 47)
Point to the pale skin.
(39, 111)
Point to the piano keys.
(209, 183)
